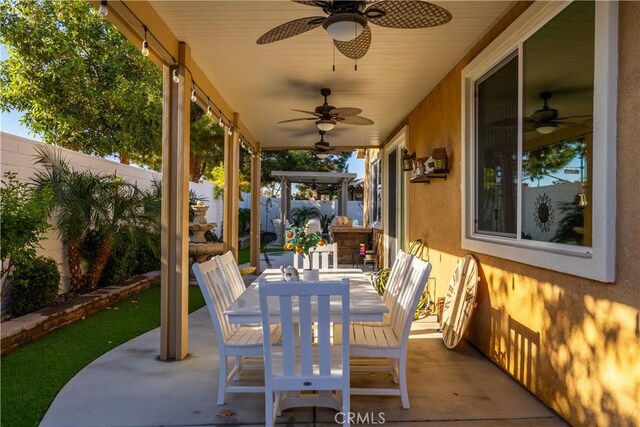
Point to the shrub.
(23, 215)
(244, 220)
(34, 284)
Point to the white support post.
(284, 205)
(343, 197)
(174, 231)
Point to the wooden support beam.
(231, 194)
(256, 181)
(174, 278)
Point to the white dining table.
(365, 305)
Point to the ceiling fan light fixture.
(322, 146)
(546, 128)
(344, 27)
(325, 124)
(321, 155)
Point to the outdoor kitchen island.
(349, 239)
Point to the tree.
(299, 160)
(206, 142)
(80, 83)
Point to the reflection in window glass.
(376, 188)
(558, 63)
(497, 150)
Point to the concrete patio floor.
(129, 386)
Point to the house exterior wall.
(571, 341)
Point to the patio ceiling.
(263, 82)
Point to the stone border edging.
(28, 328)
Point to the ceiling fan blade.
(571, 124)
(345, 111)
(357, 120)
(356, 48)
(314, 3)
(297, 120)
(290, 29)
(576, 117)
(407, 14)
(308, 112)
(511, 122)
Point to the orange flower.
(299, 249)
(321, 242)
(288, 246)
(290, 234)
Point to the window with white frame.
(539, 128)
(376, 193)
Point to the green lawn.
(33, 375)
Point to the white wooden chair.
(238, 341)
(397, 277)
(303, 363)
(390, 340)
(322, 257)
(229, 268)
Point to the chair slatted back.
(407, 301)
(217, 297)
(306, 303)
(322, 257)
(229, 268)
(397, 277)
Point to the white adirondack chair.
(233, 340)
(322, 257)
(303, 363)
(390, 340)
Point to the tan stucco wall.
(574, 342)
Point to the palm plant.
(120, 220)
(111, 211)
(572, 218)
(302, 214)
(72, 203)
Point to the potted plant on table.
(300, 242)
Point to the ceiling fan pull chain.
(355, 67)
(334, 58)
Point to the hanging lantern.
(407, 160)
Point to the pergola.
(292, 177)
(209, 49)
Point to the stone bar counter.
(348, 239)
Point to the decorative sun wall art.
(544, 212)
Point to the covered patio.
(546, 322)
